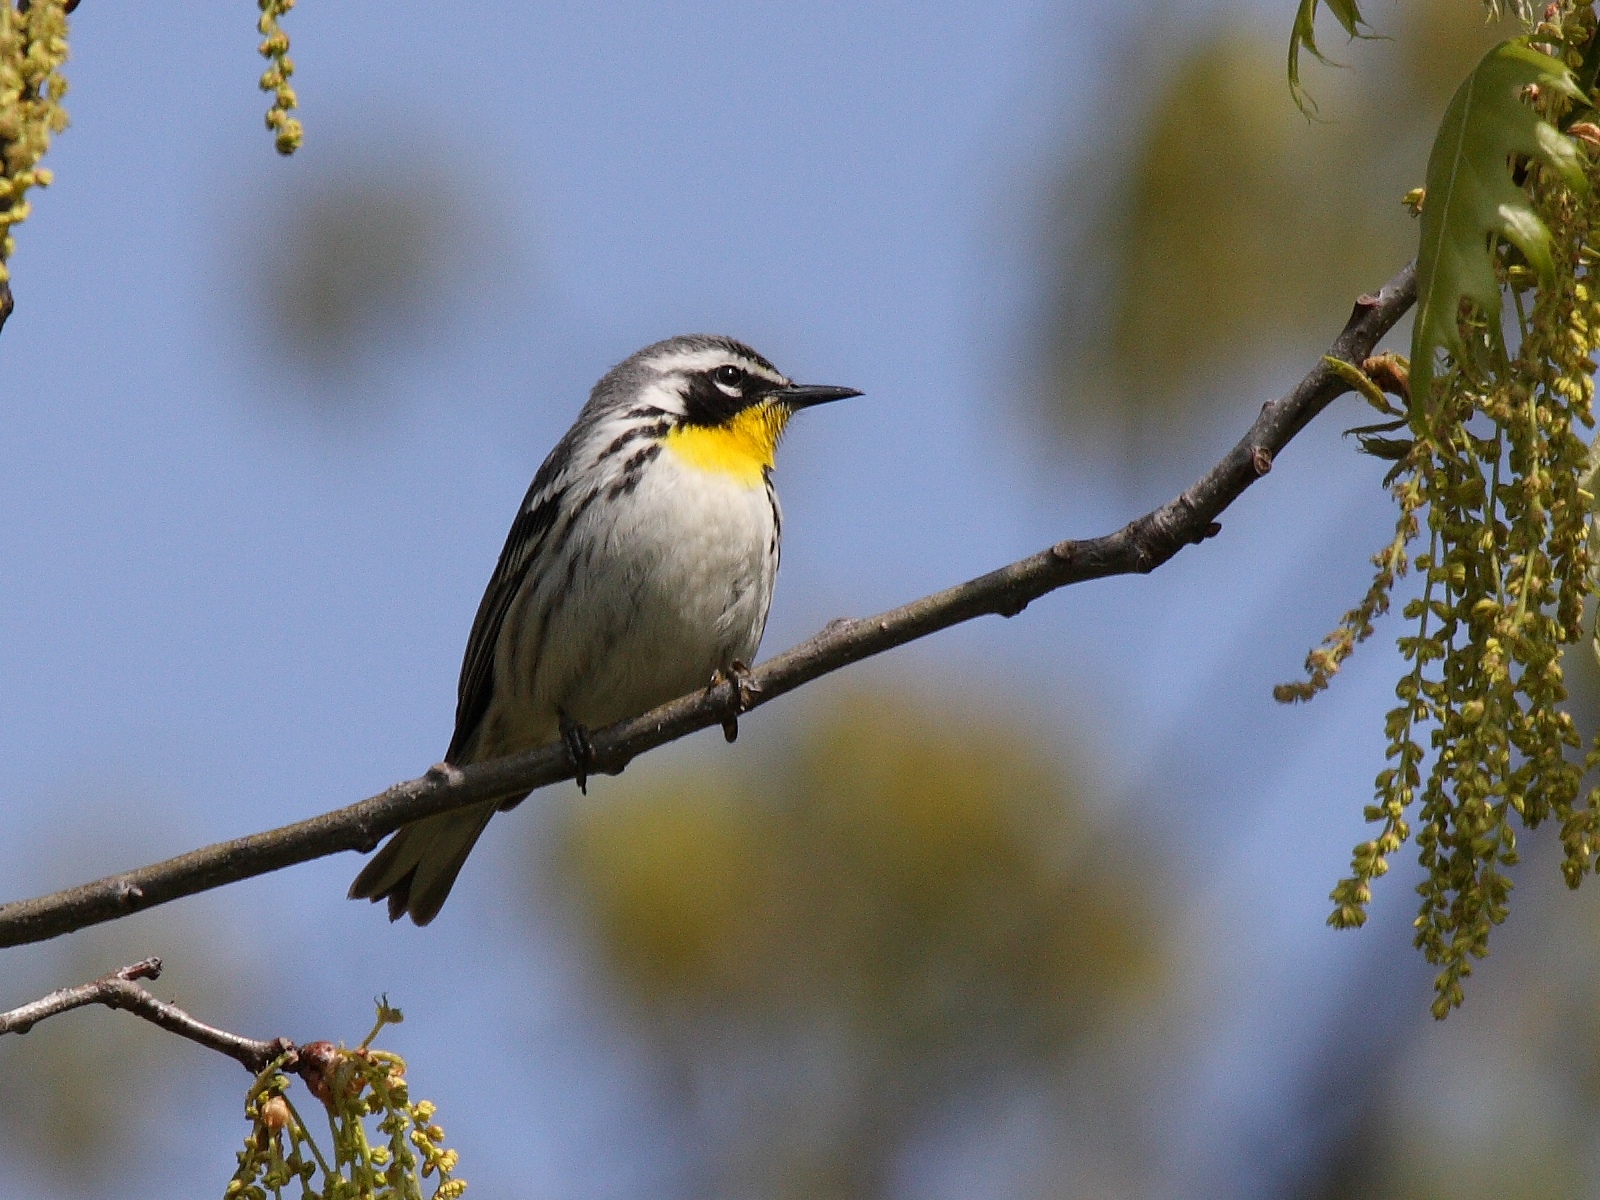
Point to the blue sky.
(218, 615)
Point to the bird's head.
(725, 406)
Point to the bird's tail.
(417, 867)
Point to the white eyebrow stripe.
(691, 361)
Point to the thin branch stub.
(120, 990)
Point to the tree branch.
(119, 990)
(1140, 546)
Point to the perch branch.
(1140, 546)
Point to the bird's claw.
(745, 690)
(576, 739)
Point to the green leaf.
(1304, 34)
(1471, 197)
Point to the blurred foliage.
(1503, 1101)
(84, 1093)
(909, 901)
(64, 1088)
(1223, 229)
(1437, 45)
(382, 250)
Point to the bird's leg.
(577, 742)
(745, 690)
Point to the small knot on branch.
(1260, 460)
(150, 968)
(1364, 304)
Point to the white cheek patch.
(665, 395)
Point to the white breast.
(672, 583)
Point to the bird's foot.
(745, 690)
(576, 738)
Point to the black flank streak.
(572, 523)
(633, 471)
(621, 440)
(563, 535)
(777, 523)
(558, 597)
(654, 431)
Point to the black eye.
(728, 375)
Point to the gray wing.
(540, 510)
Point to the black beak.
(805, 395)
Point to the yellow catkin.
(287, 131)
(1499, 474)
(33, 47)
(364, 1095)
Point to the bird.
(639, 568)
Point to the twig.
(1138, 547)
(7, 304)
(119, 990)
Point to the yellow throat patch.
(742, 448)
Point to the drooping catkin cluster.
(354, 1086)
(275, 80)
(1355, 627)
(1497, 465)
(33, 47)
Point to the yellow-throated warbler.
(640, 566)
